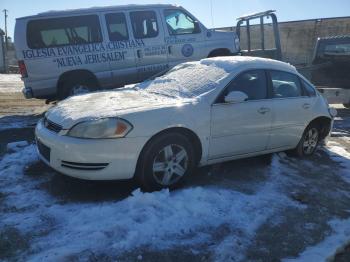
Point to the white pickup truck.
(61, 53)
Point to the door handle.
(306, 106)
(169, 49)
(264, 110)
(138, 53)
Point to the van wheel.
(165, 162)
(76, 87)
(346, 105)
(309, 142)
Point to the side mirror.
(197, 27)
(236, 97)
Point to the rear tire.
(309, 142)
(73, 86)
(165, 162)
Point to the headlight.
(101, 128)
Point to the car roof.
(98, 9)
(237, 63)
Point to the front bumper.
(90, 159)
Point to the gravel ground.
(257, 209)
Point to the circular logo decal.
(187, 50)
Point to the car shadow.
(19, 121)
(240, 175)
(68, 189)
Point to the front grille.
(43, 150)
(84, 166)
(52, 126)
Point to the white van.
(61, 53)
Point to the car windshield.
(185, 81)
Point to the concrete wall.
(298, 38)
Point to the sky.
(224, 12)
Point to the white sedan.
(197, 114)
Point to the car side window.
(179, 23)
(144, 24)
(253, 83)
(117, 28)
(285, 85)
(310, 90)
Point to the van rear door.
(151, 52)
(60, 44)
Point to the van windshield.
(185, 81)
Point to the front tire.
(309, 142)
(166, 162)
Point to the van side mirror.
(236, 97)
(197, 28)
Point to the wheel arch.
(193, 138)
(74, 74)
(324, 123)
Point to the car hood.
(114, 103)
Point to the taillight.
(22, 68)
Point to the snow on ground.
(340, 235)
(326, 250)
(10, 83)
(339, 154)
(161, 220)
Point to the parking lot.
(257, 209)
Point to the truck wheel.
(77, 87)
(346, 105)
(166, 162)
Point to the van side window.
(285, 85)
(117, 28)
(144, 24)
(63, 31)
(179, 23)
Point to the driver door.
(183, 36)
(241, 128)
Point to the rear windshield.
(63, 31)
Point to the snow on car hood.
(107, 104)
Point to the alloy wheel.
(170, 164)
(310, 141)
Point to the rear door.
(291, 109)
(241, 128)
(183, 36)
(151, 53)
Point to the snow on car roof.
(235, 63)
(194, 79)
